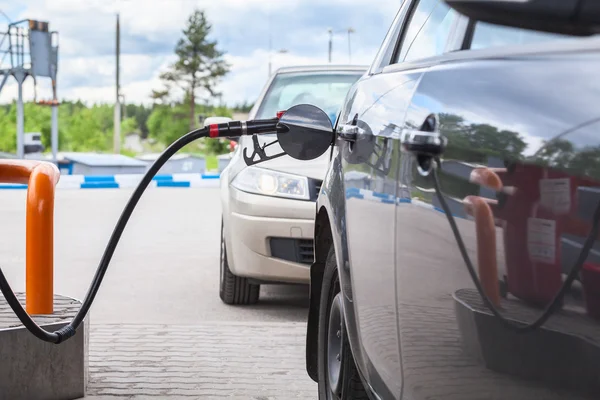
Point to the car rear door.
(520, 175)
(370, 159)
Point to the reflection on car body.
(520, 176)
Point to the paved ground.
(245, 360)
(158, 326)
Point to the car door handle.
(349, 132)
(423, 142)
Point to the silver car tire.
(234, 290)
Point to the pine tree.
(200, 64)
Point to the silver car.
(268, 210)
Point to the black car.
(457, 252)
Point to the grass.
(211, 162)
(128, 153)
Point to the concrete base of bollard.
(31, 369)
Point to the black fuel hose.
(556, 302)
(230, 129)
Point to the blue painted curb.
(385, 198)
(124, 181)
(166, 183)
(163, 178)
(16, 186)
(99, 178)
(354, 196)
(100, 185)
(382, 195)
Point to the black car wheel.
(338, 376)
(234, 289)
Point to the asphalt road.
(165, 268)
(158, 327)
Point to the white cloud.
(150, 30)
(249, 74)
(244, 82)
(91, 79)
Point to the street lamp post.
(124, 106)
(280, 51)
(349, 30)
(117, 111)
(330, 43)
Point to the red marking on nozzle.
(214, 130)
(280, 113)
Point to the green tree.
(587, 162)
(472, 142)
(128, 126)
(220, 146)
(243, 107)
(140, 113)
(160, 96)
(562, 154)
(199, 64)
(476, 142)
(557, 153)
(90, 129)
(37, 119)
(8, 121)
(166, 123)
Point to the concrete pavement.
(160, 296)
(247, 360)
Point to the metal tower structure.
(29, 48)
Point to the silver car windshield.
(324, 90)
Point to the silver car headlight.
(272, 183)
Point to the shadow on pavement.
(283, 302)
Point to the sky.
(151, 28)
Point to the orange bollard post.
(485, 228)
(41, 178)
(486, 246)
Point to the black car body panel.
(418, 328)
(499, 113)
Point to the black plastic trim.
(295, 250)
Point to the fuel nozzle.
(304, 132)
(239, 128)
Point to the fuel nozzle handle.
(239, 128)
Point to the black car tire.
(350, 386)
(233, 289)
